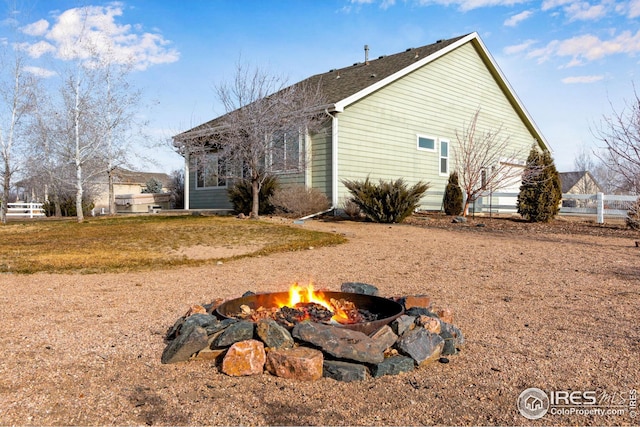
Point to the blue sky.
(570, 62)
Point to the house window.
(444, 157)
(427, 143)
(210, 171)
(285, 153)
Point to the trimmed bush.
(541, 189)
(387, 202)
(452, 201)
(241, 197)
(298, 200)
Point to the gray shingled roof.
(339, 84)
(125, 176)
(570, 179)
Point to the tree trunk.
(255, 193)
(79, 212)
(5, 192)
(112, 196)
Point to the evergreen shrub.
(387, 202)
(541, 190)
(452, 201)
(241, 196)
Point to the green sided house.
(393, 117)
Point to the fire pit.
(378, 311)
(351, 335)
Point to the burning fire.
(307, 295)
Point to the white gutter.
(334, 160)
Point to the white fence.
(25, 210)
(597, 205)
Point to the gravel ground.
(548, 306)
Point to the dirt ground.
(552, 306)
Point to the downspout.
(186, 181)
(334, 159)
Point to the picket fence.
(599, 206)
(25, 210)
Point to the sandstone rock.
(359, 288)
(192, 339)
(431, 324)
(244, 358)
(393, 366)
(344, 371)
(195, 309)
(417, 301)
(300, 363)
(339, 342)
(403, 324)
(236, 332)
(421, 345)
(273, 334)
(384, 337)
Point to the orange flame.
(301, 294)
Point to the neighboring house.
(126, 186)
(396, 116)
(580, 182)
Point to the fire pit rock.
(311, 350)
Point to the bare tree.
(118, 117)
(485, 160)
(262, 129)
(620, 134)
(583, 162)
(17, 88)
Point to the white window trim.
(210, 187)
(292, 169)
(435, 143)
(440, 157)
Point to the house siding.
(320, 160)
(207, 198)
(378, 134)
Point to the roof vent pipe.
(366, 54)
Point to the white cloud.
(588, 48)
(634, 9)
(38, 28)
(467, 5)
(582, 79)
(552, 4)
(38, 71)
(583, 11)
(36, 50)
(516, 19)
(518, 48)
(81, 33)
